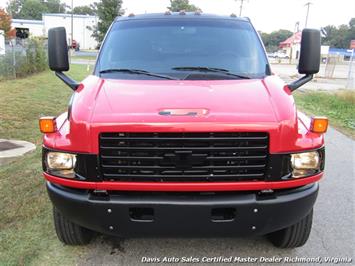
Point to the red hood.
(133, 106)
(121, 101)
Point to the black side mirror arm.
(300, 82)
(67, 80)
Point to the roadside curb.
(10, 150)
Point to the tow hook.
(100, 195)
(266, 194)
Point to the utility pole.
(72, 23)
(241, 6)
(307, 4)
(297, 28)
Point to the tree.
(273, 39)
(5, 21)
(14, 8)
(339, 37)
(84, 10)
(179, 5)
(32, 9)
(351, 32)
(107, 11)
(54, 6)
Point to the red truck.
(182, 129)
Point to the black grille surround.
(184, 157)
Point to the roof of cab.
(182, 15)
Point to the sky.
(266, 15)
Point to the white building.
(33, 27)
(82, 27)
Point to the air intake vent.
(183, 157)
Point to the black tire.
(70, 233)
(294, 236)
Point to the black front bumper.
(188, 214)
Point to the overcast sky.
(266, 15)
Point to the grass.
(338, 106)
(26, 232)
(27, 235)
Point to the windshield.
(182, 48)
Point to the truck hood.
(236, 101)
(101, 105)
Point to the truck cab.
(182, 129)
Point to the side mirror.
(309, 62)
(310, 52)
(58, 49)
(58, 55)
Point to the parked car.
(281, 55)
(75, 45)
(182, 129)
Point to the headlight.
(61, 164)
(305, 164)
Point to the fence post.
(351, 79)
(12, 42)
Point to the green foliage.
(14, 7)
(179, 5)
(107, 11)
(273, 39)
(33, 9)
(340, 37)
(84, 10)
(32, 60)
(54, 6)
(339, 107)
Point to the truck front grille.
(183, 157)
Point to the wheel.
(293, 236)
(70, 233)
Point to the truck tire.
(70, 233)
(293, 236)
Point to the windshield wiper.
(211, 69)
(136, 71)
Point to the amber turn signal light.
(47, 124)
(319, 124)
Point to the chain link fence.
(23, 58)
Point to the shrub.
(32, 58)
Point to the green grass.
(27, 236)
(338, 106)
